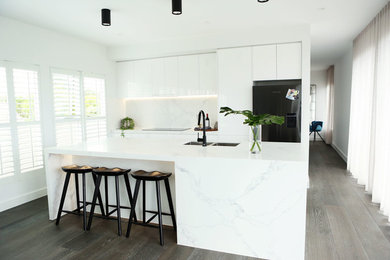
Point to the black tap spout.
(203, 140)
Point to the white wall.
(23, 43)
(319, 78)
(171, 112)
(342, 102)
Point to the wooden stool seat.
(77, 169)
(150, 176)
(110, 171)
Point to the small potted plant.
(127, 123)
(255, 122)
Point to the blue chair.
(316, 128)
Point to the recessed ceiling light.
(176, 7)
(106, 17)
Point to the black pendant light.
(262, 1)
(106, 17)
(176, 7)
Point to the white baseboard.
(21, 199)
(341, 153)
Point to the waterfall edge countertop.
(225, 198)
(167, 149)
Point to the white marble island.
(225, 198)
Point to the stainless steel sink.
(212, 144)
(225, 144)
(196, 143)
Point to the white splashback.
(171, 112)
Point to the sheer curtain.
(369, 133)
(330, 105)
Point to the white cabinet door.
(207, 74)
(125, 79)
(289, 61)
(171, 77)
(142, 78)
(234, 88)
(157, 74)
(188, 75)
(264, 62)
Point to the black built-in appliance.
(269, 97)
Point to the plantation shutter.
(67, 107)
(95, 108)
(26, 91)
(6, 150)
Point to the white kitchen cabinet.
(142, 74)
(188, 75)
(171, 77)
(157, 77)
(264, 62)
(208, 74)
(277, 61)
(234, 88)
(125, 79)
(289, 61)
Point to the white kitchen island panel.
(248, 208)
(226, 199)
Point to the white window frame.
(83, 117)
(13, 123)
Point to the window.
(28, 126)
(95, 108)
(6, 150)
(20, 127)
(67, 107)
(80, 109)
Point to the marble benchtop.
(171, 149)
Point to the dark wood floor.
(342, 223)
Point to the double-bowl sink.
(213, 144)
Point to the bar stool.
(155, 176)
(107, 172)
(76, 170)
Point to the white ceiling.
(334, 23)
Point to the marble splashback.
(171, 112)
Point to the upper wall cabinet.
(289, 61)
(172, 76)
(277, 61)
(264, 62)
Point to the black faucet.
(201, 113)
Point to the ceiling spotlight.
(262, 1)
(106, 17)
(176, 7)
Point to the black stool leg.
(133, 203)
(106, 193)
(159, 212)
(143, 201)
(76, 179)
(128, 188)
(99, 196)
(118, 207)
(169, 195)
(84, 204)
(63, 197)
(95, 195)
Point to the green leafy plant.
(254, 121)
(127, 123)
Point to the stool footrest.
(155, 212)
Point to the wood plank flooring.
(341, 223)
